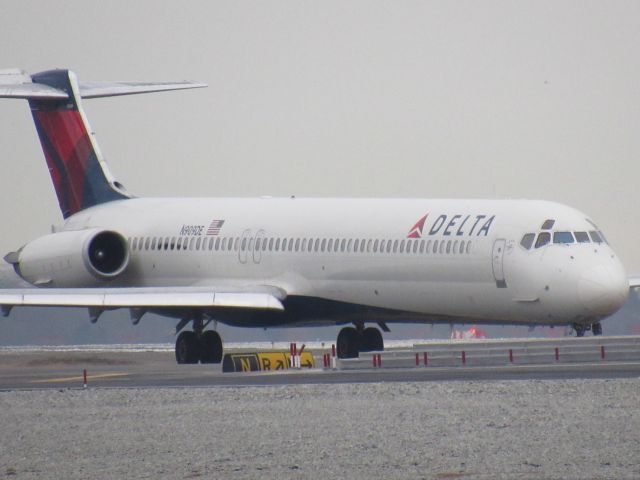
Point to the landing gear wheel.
(187, 348)
(580, 329)
(210, 347)
(371, 340)
(596, 328)
(347, 343)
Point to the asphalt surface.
(60, 370)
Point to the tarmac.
(573, 358)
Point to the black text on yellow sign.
(263, 361)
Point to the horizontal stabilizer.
(15, 83)
(114, 89)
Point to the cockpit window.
(543, 239)
(527, 240)
(595, 236)
(582, 237)
(548, 224)
(563, 237)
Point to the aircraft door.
(498, 262)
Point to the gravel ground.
(582, 429)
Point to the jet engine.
(81, 258)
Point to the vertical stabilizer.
(79, 173)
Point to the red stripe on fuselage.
(70, 141)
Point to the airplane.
(267, 262)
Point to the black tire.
(210, 347)
(596, 328)
(371, 340)
(187, 348)
(347, 343)
(580, 329)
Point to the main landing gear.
(580, 329)
(351, 341)
(198, 345)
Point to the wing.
(634, 281)
(100, 299)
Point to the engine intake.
(107, 254)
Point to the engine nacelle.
(79, 258)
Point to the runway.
(486, 361)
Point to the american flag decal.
(214, 227)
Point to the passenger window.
(563, 237)
(462, 247)
(435, 246)
(442, 245)
(469, 247)
(449, 246)
(323, 244)
(455, 247)
(527, 240)
(402, 246)
(421, 246)
(543, 239)
(297, 244)
(395, 246)
(595, 237)
(582, 237)
(198, 243)
(250, 248)
(153, 243)
(548, 224)
(349, 245)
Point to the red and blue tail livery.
(79, 175)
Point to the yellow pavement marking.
(80, 378)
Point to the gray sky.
(334, 98)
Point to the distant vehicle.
(284, 262)
(472, 333)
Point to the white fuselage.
(465, 262)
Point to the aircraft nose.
(603, 289)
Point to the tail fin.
(79, 173)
